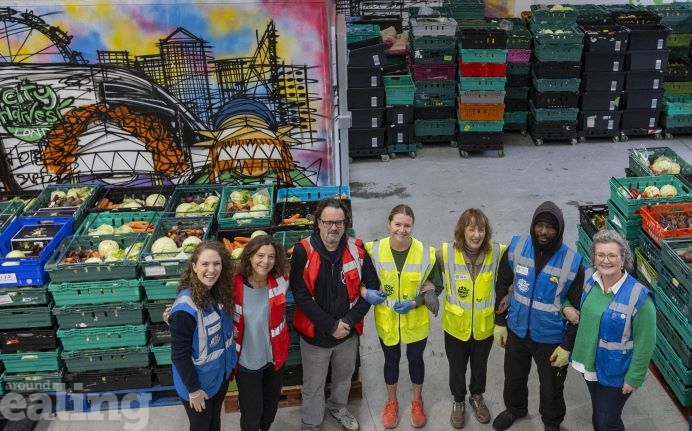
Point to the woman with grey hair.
(617, 331)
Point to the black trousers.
(458, 355)
(210, 418)
(258, 395)
(518, 355)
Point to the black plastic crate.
(160, 333)
(600, 101)
(28, 339)
(648, 37)
(633, 18)
(679, 70)
(643, 99)
(367, 118)
(556, 69)
(602, 123)
(592, 218)
(554, 99)
(516, 105)
(359, 77)
(366, 138)
(401, 114)
(598, 61)
(647, 60)
(399, 134)
(483, 38)
(605, 38)
(365, 98)
(479, 141)
(434, 112)
(518, 80)
(645, 119)
(603, 81)
(644, 80)
(163, 376)
(110, 380)
(552, 130)
(367, 56)
(117, 196)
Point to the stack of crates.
(555, 77)
(602, 81)
(518, 77)
(592, 218)
(677, 98)
(645, 64)
(434, 98)
(399, 94)
(466, 9)
(365, 93)
(482, 69)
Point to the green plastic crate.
(547, 114)
(672, 337)
(640, 160)
(585, 254)
(682, 393)
(671, 121)
(290, 237)
(162, 354)
(15, 296)
(634, 242)
(679, 39)
(645, 270)
(629, 224)
(87, 316)
(434, 42)
(169, 264)
(399, 89)
(442, 127)
(677, 87)
(515, 117)
(125, 267)
(671, 249)
(621, 196)
(569, 84)
(437, 92)
(103, 338)
(40, 205)
(518, 68)
(106, 359)
(37, 316)
(96, 292)
(193, 193)
(8, 211)
(681, 370)
(358, 32)
(26, 383)
(482, 83)
(115, 220)
(160, 288)
(155, 309)
(21, 362)
(2, 384)
(556, 33)
(583, 237)
(483, 55)
(557, 52)
(481, 126)
(226, 210)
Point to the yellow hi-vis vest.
(393, 327)
(469, 307)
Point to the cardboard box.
(56, 212)
(32, 239)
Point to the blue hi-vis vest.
(537, 300)
(615, 343)
(213, 353)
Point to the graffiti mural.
(166, 94)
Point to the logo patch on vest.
(462, 291)
(554, 279)
(523, 285)
(388, 289)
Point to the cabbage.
(206, 208)
(212, 201)
(57, 195)
(15, 253)
(108, 247)
(164, 248)
(669, 191)
(236, 253)
(124, 229)
(155, 200)
(240, 197)
(182, 209)
(259, 210)
(261, 197)
(93, 260)
(103, 229)
(258, 233)
(190, 243)
(78, 192)
(130, 203)
(243, 217)
(132, 251)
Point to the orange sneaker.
(418, 419)
(390, 417)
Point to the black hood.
(551, 208)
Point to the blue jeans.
(607, 404)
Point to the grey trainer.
(457, 418)
(346, 419)
(479, 408)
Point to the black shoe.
(504, 420)
(552, 428)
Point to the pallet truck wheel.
(669, 135)
(453, 144)
(616, 138)
(582, 139)
(500, 153)
(658, 136)
(538, 141)
(463, 154)
(384, 157)
(623, 137)
(392, 156)
(574, 141)
(523, 133)
(412, 154)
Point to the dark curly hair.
(222, 292)
(244, 266)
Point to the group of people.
(531, 297)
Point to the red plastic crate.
(482, 69)
(434, 71)
(653, 215)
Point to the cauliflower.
(103, 229)
(261, 197)
(668, 191)
(239, 197)
(652, 191)
(155, 200)
(664, 165)
(164, 248)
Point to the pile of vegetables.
(130, 227)
(178, 243)
(667, 190)
(71, 198)
(153, 200)
(236, 245)
(245, 207)
(664, 165)
(108, 251)
(195, 206)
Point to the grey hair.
(605, 236)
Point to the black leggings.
(414, 354)
(210, 418)
(258, 395)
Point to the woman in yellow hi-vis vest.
(409, 278)
(470, 267)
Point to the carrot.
(249, 203)
(238, 206)
(292, 219)
(242, 239)
(228, 244)
(238, 244)
(140, 226)
(289, 251)
(103, 203)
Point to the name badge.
(461, 277)
(522, 270)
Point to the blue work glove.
(375, 297)
(403, 307)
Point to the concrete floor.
(439, 185)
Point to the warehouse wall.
(165, 92)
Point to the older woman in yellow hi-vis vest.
(409, 279)
(470, 267)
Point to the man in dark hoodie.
(539, 272)
(327, 271)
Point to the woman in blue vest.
(262, 338)
(617, 331)
(202, 348)
(409, 279)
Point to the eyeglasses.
(333, 223)
(609, 257)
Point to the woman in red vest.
(260, 284)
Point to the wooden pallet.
(291, 397)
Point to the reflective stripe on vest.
(453, 267)
(203, 354)
(421, 268)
